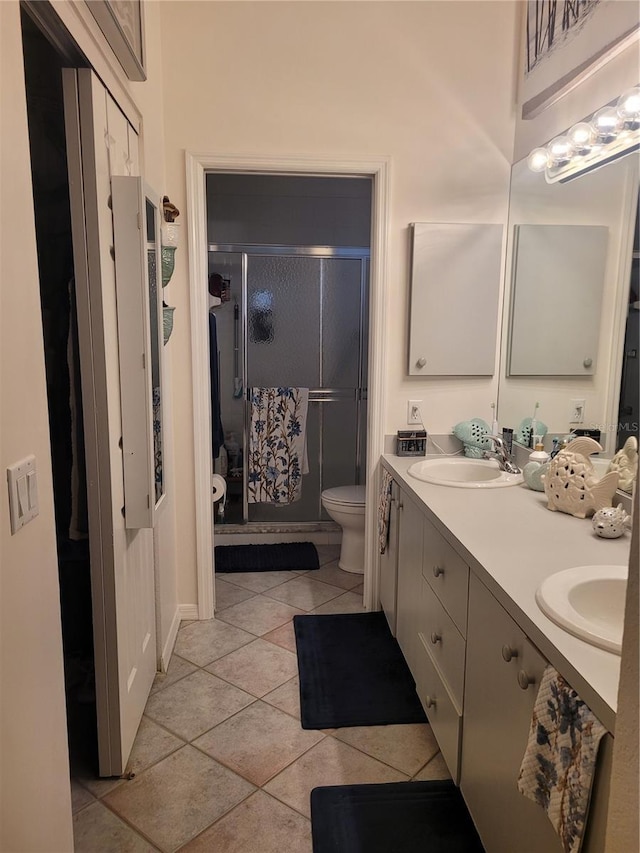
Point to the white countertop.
(512, 543)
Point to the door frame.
(197, 165)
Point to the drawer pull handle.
(437, 571)
(430, 702)
(525, 680)
(400, 505)
(436, 638)
(508, 653)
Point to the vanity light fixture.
(611, 133)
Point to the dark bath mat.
(396, 817)
(352, 673)
(300, 556)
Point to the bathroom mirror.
(564, 330)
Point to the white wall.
(428, 84)
(34, 769)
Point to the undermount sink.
(463, 473)
(588, 602)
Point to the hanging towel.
(217, 433)
(384, 510)
(559, 761)
(277, 444)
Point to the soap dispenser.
(536, 467)
(539, 454)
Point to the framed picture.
(122, 26)
(565, 41)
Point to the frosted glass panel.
(339, 431)
(283, 309)
(341, 285)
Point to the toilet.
(345, 505)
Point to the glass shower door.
(304, 329)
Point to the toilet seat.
(353, 496)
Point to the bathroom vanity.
(458, 585)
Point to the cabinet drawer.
(440, 709)
(443, 640)
(447, 574)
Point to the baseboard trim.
(188, 611)
(170, 642)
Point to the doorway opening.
(47, 142)
(288, 295)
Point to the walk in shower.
(289, 316)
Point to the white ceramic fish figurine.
(610, 522)
(625, 462)
(571, 484)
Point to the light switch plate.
(23, 492)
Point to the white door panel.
(99, 142)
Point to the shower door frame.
(316, 395)
(375, 167)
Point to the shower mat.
(413, 817)
(352, 673)
(289, 556)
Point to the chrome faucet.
(501, 455)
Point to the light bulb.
(582, 137)
(606, 124)
(559, 151)
(538, 160)
(629, 109)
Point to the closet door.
(101, 144)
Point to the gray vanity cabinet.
(411, 521)
(503, 672)
(477, 675)
(496, 726)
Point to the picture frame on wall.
(122, 25)
(565, 42)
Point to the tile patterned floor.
(220, 761)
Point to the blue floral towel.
(384, 510)
(559, 762)
(277, 444)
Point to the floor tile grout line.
(139, 831)
(237, 806)
(266, 781)
(342, 591)
(244, 647)
(132, 826)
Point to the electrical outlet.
(577, 411)
(413, 412)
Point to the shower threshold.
(270, 527)
(264, 533)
